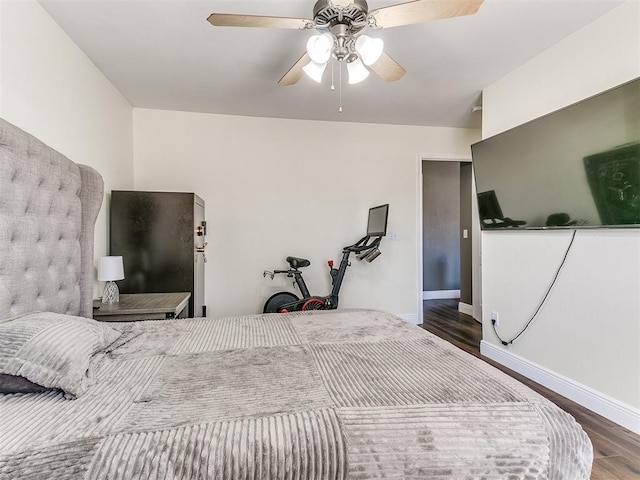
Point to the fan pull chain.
(333, 87)
(340, 87)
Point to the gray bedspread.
(349, 394)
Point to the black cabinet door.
(157, 234)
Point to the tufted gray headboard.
(48, 209)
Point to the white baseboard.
(411, 318)
(440, 294)
(616, 411)
(465, 308)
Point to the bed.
(346, 394)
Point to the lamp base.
(111, 293)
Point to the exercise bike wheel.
(275, 302)
(314, 303)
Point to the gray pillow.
(53, 350)
(18, 384)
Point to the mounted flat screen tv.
(578, 167)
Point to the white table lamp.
(110, 269)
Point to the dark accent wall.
(441, 225)
(466, 294)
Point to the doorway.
(447, 235)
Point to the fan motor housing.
(354, 15)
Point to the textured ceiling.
(165, 55)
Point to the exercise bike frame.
(327, 302)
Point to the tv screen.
(578, 167)
(377, 223)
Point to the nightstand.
(142, 306)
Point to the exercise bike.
(366, 249)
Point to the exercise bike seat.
(296, 262)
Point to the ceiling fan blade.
(387, 68)
(422, 11)
(295, 73)
(238, 20)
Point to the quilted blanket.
(349, 394)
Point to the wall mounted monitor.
(377, 223)
(578, 167)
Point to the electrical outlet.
(495, 318)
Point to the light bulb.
(369, 49)
(314, 70)
(357, 71)
(319, 47)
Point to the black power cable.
(493, 322)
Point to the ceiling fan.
(339, 23)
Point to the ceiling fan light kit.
(357, 71)
(370, 49)
(356, 54)
(339, 22)
(314, 70)
(319, 47)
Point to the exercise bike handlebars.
(367, 251)
(362, 245)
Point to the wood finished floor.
(616, 450)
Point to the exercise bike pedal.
(268, 273)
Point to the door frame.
(475, 231)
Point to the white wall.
(589, 330)
(1, 42)
(49, 88)
(277, 187)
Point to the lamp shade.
(370, 49)
(315, 70)
(110, 269)
(319, 47)
(357, 71)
